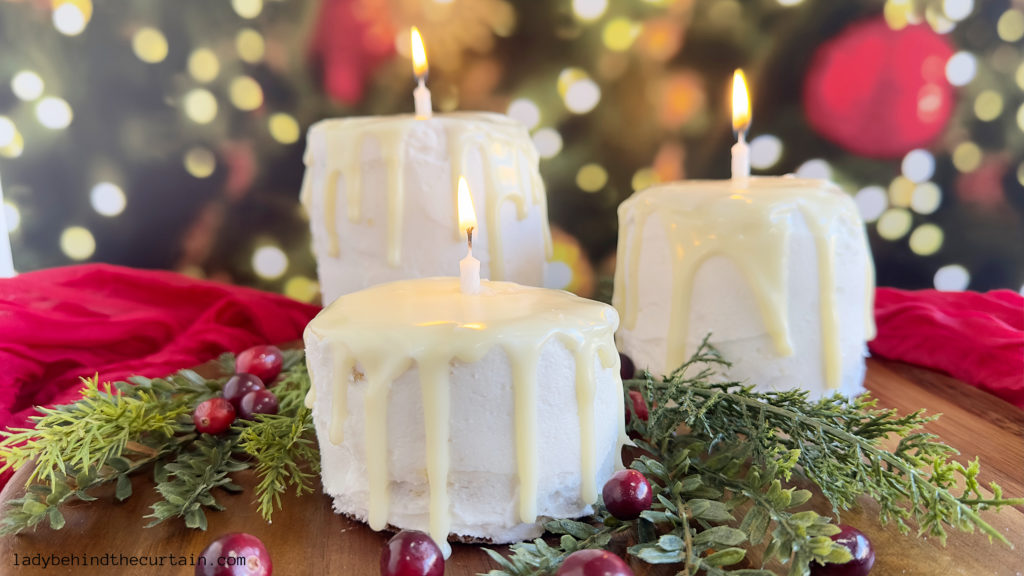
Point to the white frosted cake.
(473, 416)
(381, 197)
(777, 270)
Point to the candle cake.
(474, 416)
(381, 193)
(777, 270)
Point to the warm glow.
(467, 215)
(740, 102)
(419, 55)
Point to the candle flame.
(740, 102)
(467, 215)
(419, 55)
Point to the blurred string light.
(548, 142)
(247, 9)
(966, 157)
(591, 177)
(200, 162)
(525, 111)
(579, 92)
(77, 243)
(918, 165)
(988, 105)
(107, 199)
(926, 240)
(957, 10)
(926, 198)
(765, 151)
(961, 68)
(620, 33)
(301, 288)
(589, 10)
(250, 45)
(12, 215)
(901, 191)
(203, 65)
(54, 113)
(246, 94)
(200, 106)
(269, 262)
(894, 223)
(952, 278)
(27, 85)
(284, 128)
(815, 168)
(1010, 26)
(872, 202)
(150, 45)
(70, 17)
(790, 2)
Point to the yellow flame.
(419, 55)
(740, 102)
(467, 215)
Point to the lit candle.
(6, 258)
(419, 65)
(469, 267)
(740, 125)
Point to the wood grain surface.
(308, 538)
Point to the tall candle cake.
(777, 270)
(470, 415)
(381, 193)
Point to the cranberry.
(860, 548)
(626, 367)
(626, 494)
(262, 361)
(235, 554)
(639, 406)
(411, 553)
(239, 385)
(257, 402)
(593, 563)
(213, 416)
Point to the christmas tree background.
(170, 134)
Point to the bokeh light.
(967, 157)
(871, 201)
(894, 223)
(789, 2)
(14, 147)
(952, 278)
(12, 215)
(246, 94)
(815, 168)
(302, 288)
(548, 142)
(250, 45)
(525, 111)
(988, 105)
(107, 199)
(620, 33)
(247, 9)
(901, 191)
(644, 178)
(200, 105)
(27, 85)
(765, 151)
(926, 239)
(1011, 26)
(269, 262)
(54, 113)
(582, 96)
(7, 131)
(589, 10)
(200, 162)
(926, 199)
(591, 177)
(203, 65)
(957, 10)
(77, 243)
(918, 165)
(961, 68)
(150, 45)
(284, 128)
(70, 17)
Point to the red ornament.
(352, 38)
(880, 92)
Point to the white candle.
(740, 124)
(421, 94)
(6, 258)
(469, 267)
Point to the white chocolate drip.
(501, 142)
(381, 332)
(748, 222)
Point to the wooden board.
(308, 538)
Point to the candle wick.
(469, 235)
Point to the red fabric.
(977, 338)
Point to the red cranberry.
(262, 361)
(213, 416)
(626, 367)
(593, 563)
(860, 548)
(411, 553)
(239, 385)
(235, 554)
(626, 494)
(257, 402)
(639, 406)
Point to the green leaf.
(124, 488)
(671, 542)
(709, 510)
(56, 519)
(720, 536)
(726, 557)
(651, 553)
